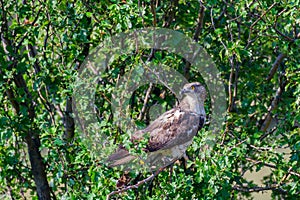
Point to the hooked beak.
(183, 91)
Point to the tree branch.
(135, 186)
(69, 120)
(258, 189)
(153, 10)
(32, 139)
(275, 65)
(257, 20)
(198, 30)
(232, 83)
(199, 22)
(170, 14)
(261, 16)
(273, 105)
(147, 97)
(273, 166)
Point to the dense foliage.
(254, 44)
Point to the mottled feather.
(173, 130)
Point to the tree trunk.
(37, 166)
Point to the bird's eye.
(192, 87)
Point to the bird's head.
(194, 89)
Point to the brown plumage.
(171, 133)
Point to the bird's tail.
(120, 157)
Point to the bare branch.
(290, 171)
(26, 34)
(258, 189)
(11, 96)
(153, 10)
(273, 105)
(257, 20)
(283, 35)
(147, 97)
(199, 22)
(46, 37)
(261, 16)
(196, 36)
(170, 14)
(275, 65)
(279, 32)
(69, 120)
(135, 186)
(233, 80)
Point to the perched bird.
(170, 134)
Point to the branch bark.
(69, 121)
(275, 65)
(273, 166)
(258, 189)
(170, 13)
(233, 84)
(135, 186)
(31, 133)
(274, 103)
(257, 20)
(32, 139)
(198, 30)
(147, 97)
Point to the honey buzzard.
(171, 133)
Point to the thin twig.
(135, 186)
(257, 20)
(273, 166)
(26, 34)
(198, 30)
(260, 17)
(230, 84)
(283, 35)
(147, 97)
(170, 13)
(199, 22)
(258, 189)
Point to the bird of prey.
(171, 133)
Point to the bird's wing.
(174, 127)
